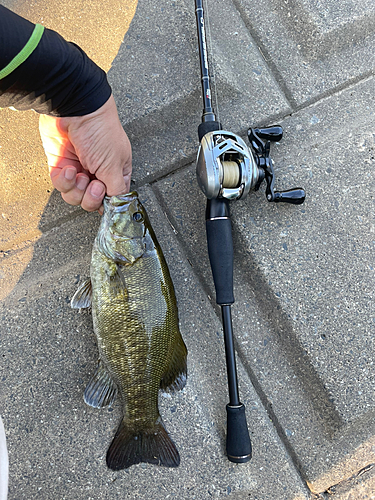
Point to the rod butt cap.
(238, 440)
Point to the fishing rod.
(227, 169)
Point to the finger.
(117, 184)
(93, 197)
(127, 179)
(117, 181)
(75, 195)
(63, 179)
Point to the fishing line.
(212, 63)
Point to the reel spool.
(226, 167)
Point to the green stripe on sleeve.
(25, 52)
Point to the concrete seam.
(346, 484)
(26, 243)
(180, 165)
(152, 179)
(279, 78)
(272, 416)
(335, 90)
(266, 57)
(189, 256)
(61, 221)
(279, 324)
(282, 330)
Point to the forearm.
(57, 78)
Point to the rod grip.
(238, 440)
(220, 251)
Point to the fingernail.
(82, 182)
(97, 190)
(70, 173)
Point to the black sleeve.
(58, 78)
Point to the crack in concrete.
(266, 57)
(347, 484)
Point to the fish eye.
(138, 217)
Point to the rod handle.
(238, 440)
(220, 252)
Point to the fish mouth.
(120, 202)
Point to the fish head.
(123, 230)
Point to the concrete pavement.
(304, 276)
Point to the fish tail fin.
(130, 447)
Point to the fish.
(135, 320)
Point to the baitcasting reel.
(227, 168)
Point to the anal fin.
(82, 298)
(175, 376)
(101, 391)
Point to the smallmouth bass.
(135, 321)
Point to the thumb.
(115, 186)
(115, 183)
(116, 175)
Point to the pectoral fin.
(82, 298)
(175, 376)
(101, 391)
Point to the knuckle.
(71, 197)
(90, 204)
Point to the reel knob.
(273, 133)
(258, 137)
(294, 196)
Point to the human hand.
(88, 156)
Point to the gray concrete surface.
(304, 276)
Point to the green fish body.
(135, 320)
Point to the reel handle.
(260, 140)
